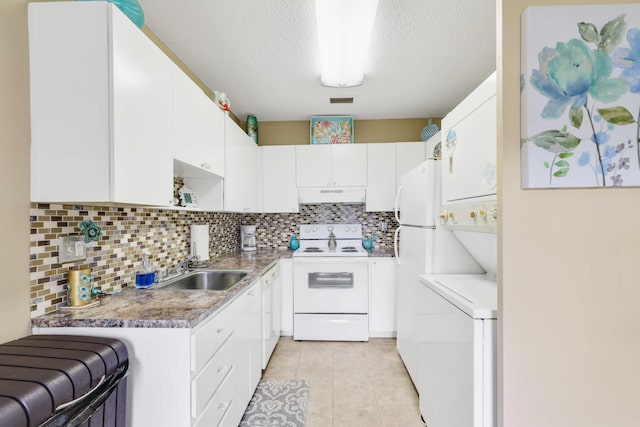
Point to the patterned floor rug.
(278, 403)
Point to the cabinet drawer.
(211, 376)
(221, 403)
(208, 339)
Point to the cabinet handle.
(222, 368)
(220, 330)
(251, 293)
(223, 405)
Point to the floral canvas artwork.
(580, 96)
(332, 130)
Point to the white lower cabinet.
(249, 354)
(203, 376)
(382, 297)
(286, 309)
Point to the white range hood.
(352, 195)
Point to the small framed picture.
(332, 130)
(187, 197)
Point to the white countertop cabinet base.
(183, 377)
(382, 297)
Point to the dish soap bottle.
(293, 243)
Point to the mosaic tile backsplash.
(273, 231)
(127, 234)
(163, 234)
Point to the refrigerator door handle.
(397, 204)
(395, 245)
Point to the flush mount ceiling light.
(344, 32)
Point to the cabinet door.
(100, 107)
(142, 165)
(279, 191)
(241, 170)
(349, 165)
(313, 165)
(286, 309)
(198, 126)
(381, 177)
(69, 126)
(408, 156)
(250, 343)
(382, 310)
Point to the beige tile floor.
(352, 384)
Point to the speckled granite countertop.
(148, 308)
(381, 252)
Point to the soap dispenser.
(294, 243)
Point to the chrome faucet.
(182, 266)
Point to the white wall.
(14, 171)
(569, 281)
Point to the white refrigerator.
(422, 247)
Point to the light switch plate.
(71, 248)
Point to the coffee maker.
(247, 237)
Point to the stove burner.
(351, 249)
(313, 250)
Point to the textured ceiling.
(425, 55)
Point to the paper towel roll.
(200, 241)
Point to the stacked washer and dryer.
(447, 313)
(458, 320)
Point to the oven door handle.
(330, 286)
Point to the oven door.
(330, 285)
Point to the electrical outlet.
(72, 248)
(383, 227)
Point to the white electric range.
(330, 285)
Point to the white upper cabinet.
(241, 170)
(387, 162)
(349, 165)
(100, 107)
(340, 165)
(408, 156)
(313, 165)
(279, 191)
(198, 126)
(381, 179)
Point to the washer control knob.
(494, 214)
(444, 215)
(452, 215)
(473, 214)
(482, 213)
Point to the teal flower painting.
(580, 84)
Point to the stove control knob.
(314, 228)
(330, 228)
(444, 215)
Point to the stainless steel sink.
(207, 280)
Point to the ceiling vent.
(346, 100)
